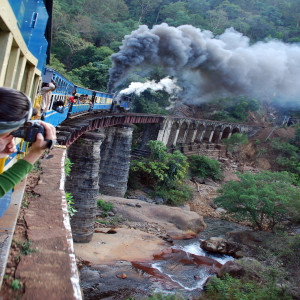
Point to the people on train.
(46, 90)
(15, 110)
(59, 106)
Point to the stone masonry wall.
(83, 183)
(115, 160)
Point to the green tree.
(235, 141)
(163, 172)
(263, 199)
(205, 167)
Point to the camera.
(29, 131)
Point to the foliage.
(105, 206)
(70, 202)
(287, 157)
(25, 248)
(161, 167)
(82, 27)
(161, 296)
(235, 141)
(204, 167)
(16, 284)
(229, 288)
(235, 109)
(286, 249)
(68, 166)
(264, 198)
(162, 171)
(174, 195)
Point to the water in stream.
(182, 269)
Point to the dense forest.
(87, 32)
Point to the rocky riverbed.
(141, 248)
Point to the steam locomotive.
(86, 100)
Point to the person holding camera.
(15, 111)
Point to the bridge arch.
(200, 132)
(206, 137)
(190, 133)
(182, 133)
(226, 133)
(236, 130)
(173, 134)
(216, 134)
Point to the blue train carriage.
(25, 38)
(86, 100)
(64, 90)
(91, 100)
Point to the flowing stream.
(182, 269)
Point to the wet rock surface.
(220, 245)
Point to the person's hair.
(14, 105)
(45, 84)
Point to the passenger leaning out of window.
(46, 90)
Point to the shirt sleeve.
(14, 175)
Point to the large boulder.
(220, 245)
(232, 268)
(174, 220)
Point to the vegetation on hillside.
(265, 199)
(205, 167)
(163, 172)
(87, 32)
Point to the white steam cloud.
(165, 84)
(207, 66)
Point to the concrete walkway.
(51, 272)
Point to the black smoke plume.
(208, 66)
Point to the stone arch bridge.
(99, 145)
(170, 130)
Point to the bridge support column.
(211, 135)
(176, 137)
(115, 160)
(202, 135)
(194, 136)
(83, 184)
(220, 137)
(164, 133)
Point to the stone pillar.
(83, 184)
(185, 135)
(220, 137)
(202, 135)
(176, 137)
(164, 132)
(194, 136)
(211, 135)
(115, 160)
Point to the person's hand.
(40, 145)
(50, 134)
(7, 146)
